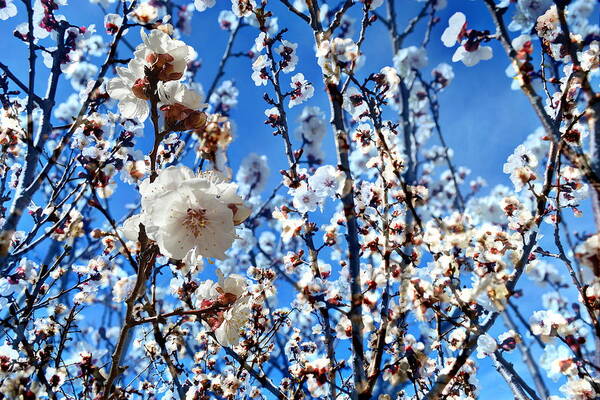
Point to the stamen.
(195, 221)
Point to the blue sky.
(483, 120)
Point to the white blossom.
(306, 199)
(183, 212)
(287, 51)
(259, 66)
(128, 88)
(455, 28)
(302, 90)
(8, 10)
(410, 58)
(123, 288)
(242, 8)
(547, 324)
(471, 58)
(202, 5)
(486, 345)
(327, 181)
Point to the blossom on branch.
(470, 50)
(184, 212)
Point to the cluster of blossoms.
(336, 55)
(140, 260)
(154, 75)
(311, 193)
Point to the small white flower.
(354, 103)
(547, 324)
(159, 50)
(7, 10)
(579, 389)
(289, 58)
(112, 23)
(389, 81)
(202, 5)
(228, 333)
(471, 58)
(128, 88)
(302, 90)
(486, 345)
(56, 377)
(228, 20)
(520, 165)
(336, 54)
(8, 352)
(165, 57)
(227, 292)
(80, 73)
(253, 174)
(225, 96)
(410, 58)
(243, 8)
(342, 50)
(305, 199)
(443, 74)
(557, 361)
(259, 75)
(457, 338)
(587, 252)
(273, 116)
(174, 92)
(123, 288)
(527, 13)
(327, 181)
(145, 13)
(590, 59)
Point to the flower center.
(162, 66)
(195, 221)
